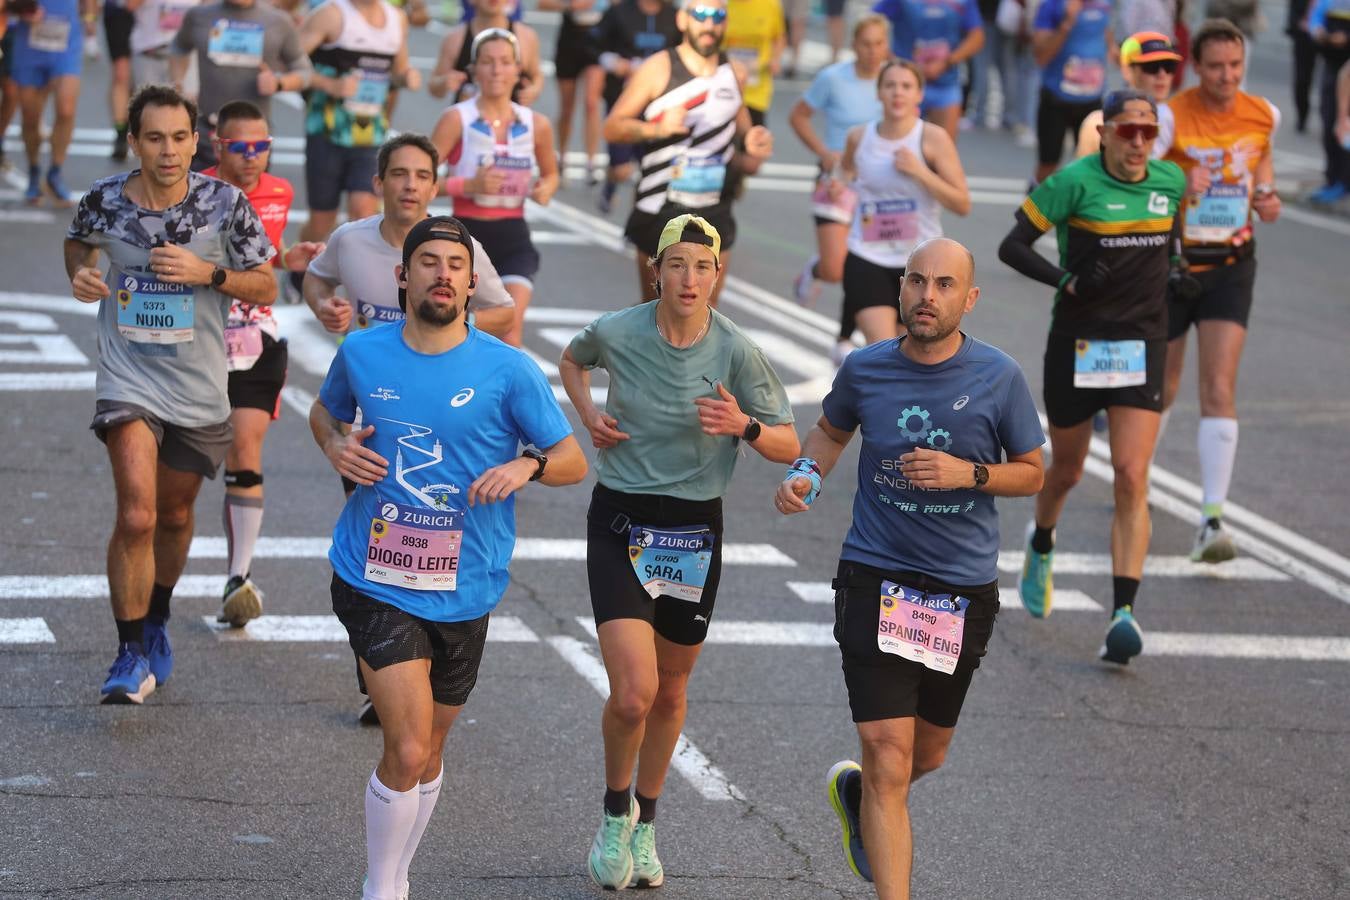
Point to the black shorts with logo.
(885, 686)
(1226, 295)
(1066, 405)
(616, 592)
(383, 635)
(259, 386)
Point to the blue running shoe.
(1328, 195)
(56, 186)
(158, 651)
(845, 783)
(1124, 640)
(130, 679)
(33, 196)
(1038, 579)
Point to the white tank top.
(515, 157)
(894, 213)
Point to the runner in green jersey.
(1115, 217)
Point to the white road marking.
(93, 587)
(689, 761)
(1154, 567)
(48, 303)
(25, 631)
(29, 216)
(41, 350)
(1248, 646)
(1066, 599)
(812, 591)
(327, 629)
(28, 321)
(46, 381)
(298, 399)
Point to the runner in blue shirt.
(948, 424)
(420, 551)
(939, 35)
(1071, 41)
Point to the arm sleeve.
(817, 95)
(490, 293)
(249, 246)
(325, 265)
(840, 406)
(336, 392)
(534, 410)
(1019, 426)
(758, 389)
(587, 348)
(1017, 251)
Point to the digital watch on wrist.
(539, 458)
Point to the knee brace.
(243, 478)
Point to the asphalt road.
(1213, 766)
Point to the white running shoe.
(242, 603)
(1213, 544)
(806, 287)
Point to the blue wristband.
(810, 470)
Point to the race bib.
(671, 562)
(150, 311)
(368, 314)
(648, 42)
(415, 548)
(931, 51)
(243, 345)
(921, 627)
(1083, 77)
(836, 210)
(696, 181)
(1221, 213)
(371, 91)
(890, 221)
(51, 35)
(236, 44)
(1109, 364)
(748, 57)
(518, 172)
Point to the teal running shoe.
(611, 860)
(845, 785)
(1124, 639)
(1038, 579)
(647, 870)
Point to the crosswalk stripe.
(25, 631)
(1066, 599)
(46, 381)
(1242, 569)
(327, 629)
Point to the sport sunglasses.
(1128, 131)
(706, 13)
(250, 149)
(1153, 67)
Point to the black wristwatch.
(981, 475)
(751, 432)
(539, 458)
(217, 277)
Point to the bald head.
(942, 254)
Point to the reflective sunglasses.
(706, 13)
(250, 149)
(1159, 65)
(1128, 131)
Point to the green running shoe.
(1038, 580)
(1124, 639)
(647, 871)
(843, 790)
(611, 859)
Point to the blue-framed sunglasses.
(706, 13)
(250, 149)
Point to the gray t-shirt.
(232, 43)
(359, 258)
(161, 346)
(652, 388)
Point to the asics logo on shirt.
(961, 402)
(461, 398)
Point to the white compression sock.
(1217, 442)
(243, 524)
(427, 795)
(390, 818)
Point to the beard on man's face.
(433, 311)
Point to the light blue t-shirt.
(930, 29)
(440, 421)
(845, 99)
(975, 406)
(1078, 72)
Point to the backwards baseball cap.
(1114, 104)
(1147, 46)
(690, 229)
(434, 228)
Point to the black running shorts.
(383, 635)
(260, 387)
(1054, 119)
(644, 229)
(1226, 295)
(884, 686)
(1067, 406)
(616, 592)
(867, 284)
